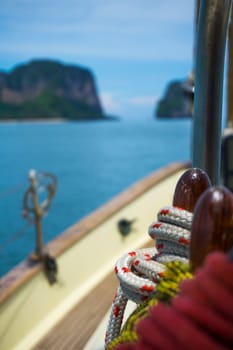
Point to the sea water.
(93, 161)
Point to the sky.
(133, 47)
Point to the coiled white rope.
(139, 271)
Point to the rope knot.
(171, 234)
(140, 271)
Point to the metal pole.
(197, 10)
(209, 68)
(37, 214)
(230, 76)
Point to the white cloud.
(142, 101)
(114, 102)
(110, 102)
(128, 107)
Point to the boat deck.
(72, 310)
(75, 329)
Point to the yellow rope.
(167, 288)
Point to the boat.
(30, 305)
(64, 312)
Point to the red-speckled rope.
(139, 271)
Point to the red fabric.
(200, 317)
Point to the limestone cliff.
(49, 89)
(177, 101)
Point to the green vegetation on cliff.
(177, 100)
(48, 89)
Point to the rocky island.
(46, 89)
(177, 101)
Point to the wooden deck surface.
(76, 328)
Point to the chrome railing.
(209, 72)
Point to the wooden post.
(212, 227)
(189, 188)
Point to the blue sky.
(134, 47)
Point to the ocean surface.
(93, 161)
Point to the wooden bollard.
(212, 227)
(189, 187)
